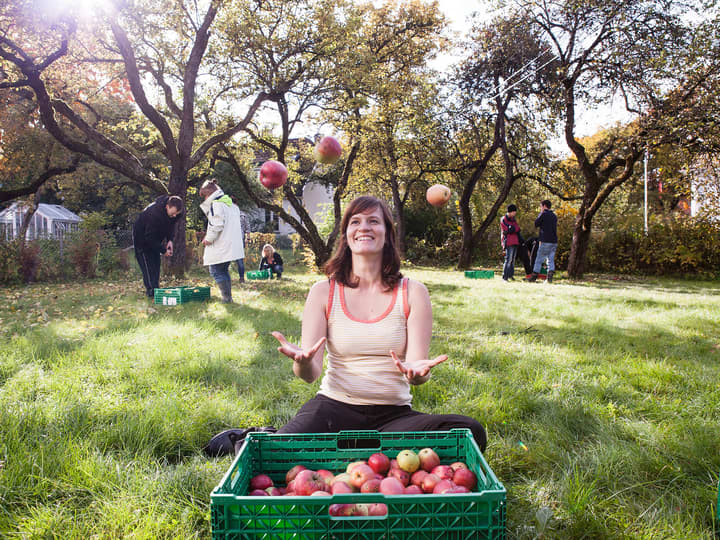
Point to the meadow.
(601, 400)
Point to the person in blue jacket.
(548, 241)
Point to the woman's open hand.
(417, 370)
(295, 353)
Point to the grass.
(601, 400)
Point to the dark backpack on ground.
(230, 441)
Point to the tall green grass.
(601, 400)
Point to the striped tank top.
(360, 370)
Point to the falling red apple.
(328, 150)
(273, 174)
(438, 195)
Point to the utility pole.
(646, 190)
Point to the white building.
(49, 221)
(315, 199)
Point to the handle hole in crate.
(352, 511)
(364, 444)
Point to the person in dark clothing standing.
(152, 236)
(510, 238)
(548, 241)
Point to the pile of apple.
(409, 474)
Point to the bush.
(9, 262)
(53, 262)
(85, 246)
(674, 245)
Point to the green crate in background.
(235, 515)
(479, 274)
(258, 274)
(181, 295)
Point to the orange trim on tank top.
(376, 319)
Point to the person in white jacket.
(224, 237)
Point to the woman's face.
(267, 253)
(366, 232)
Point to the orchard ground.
(601, 400)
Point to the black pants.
(149, 262)
(324, 415)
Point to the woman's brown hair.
(339, 267)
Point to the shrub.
(674, 245)
(53, 262)
(29, 261)
(9, 262)
(85, 246)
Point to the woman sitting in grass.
(271, 261)
(376, 326)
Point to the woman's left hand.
(417, 369)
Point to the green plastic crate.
(258, 274)
(235, 515)
(181, 295)
(479, 274)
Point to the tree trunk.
(467, 247)
(399, 211)
(178, 185)
(579, 247)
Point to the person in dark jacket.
(547, 241)
(152, 236)
(527, 251)
(272, 261)
(510, 238)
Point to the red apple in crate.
(362, 509)
(307, 482)
(379, 463)
(290, 494)
(417, 477)
(458, 465)
(428, 459)
(465, 478)
(377, 509)
(371, 486)
(273, 491)
(328, 150)
(261, 481)
(392, 486)
(327, 476)
(444, 486)
(361, 474)
(352, 465)
(320, 494)
(341, 487)
(393, 464)
(342, 477)
(429, 482)
(413, 490)
(401, 475)
(445, 472)
(339, 509)
(292, 473)
(408, 461)
(379, 476)
(258, 493)
(438, 195)
(273, 174)
(460, 489)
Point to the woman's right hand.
(295, 353)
